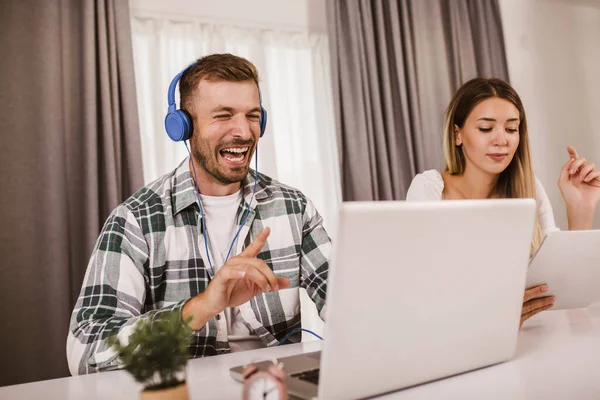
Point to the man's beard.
(208, 158)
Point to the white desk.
(558, 357)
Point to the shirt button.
(218, 317)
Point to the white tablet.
(569, 263)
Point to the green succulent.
(157, 352)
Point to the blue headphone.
(178, 123)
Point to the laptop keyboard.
(311, 376)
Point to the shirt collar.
(183, 193)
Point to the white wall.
(301, 15)
(553, 52)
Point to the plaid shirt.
(150, 257)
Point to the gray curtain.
(395, 66)
(70, 153)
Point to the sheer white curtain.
(299, 148)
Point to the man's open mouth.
(235, 155)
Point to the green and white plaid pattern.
(150, 257)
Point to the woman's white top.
(429, 186)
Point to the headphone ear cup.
(263, 121)
(178, 126)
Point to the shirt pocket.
(285, 263)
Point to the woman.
(486, 151)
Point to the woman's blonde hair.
(517, 180)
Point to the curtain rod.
(180, 17)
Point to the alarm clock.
(264, 385)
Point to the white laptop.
(417, 292)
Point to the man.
(154, 255)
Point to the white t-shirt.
(221, 226)
(429, 186)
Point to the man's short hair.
(217, 67)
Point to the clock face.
(263, 386)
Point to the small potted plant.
(156, 355)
